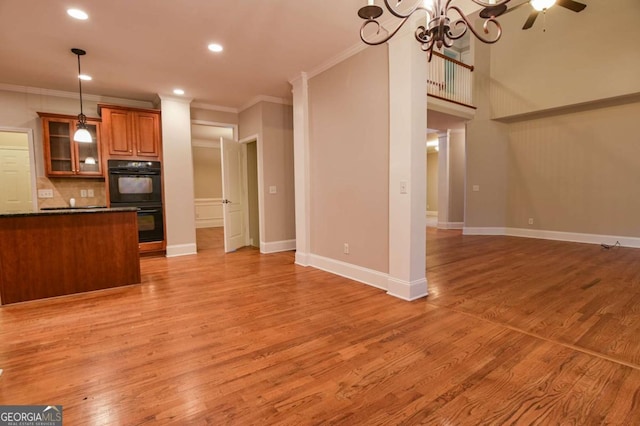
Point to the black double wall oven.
(139, 184)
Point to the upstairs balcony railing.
(450, 80)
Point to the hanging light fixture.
(82, 133)
(439, 29)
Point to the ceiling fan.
(538, 6)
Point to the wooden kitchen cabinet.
(131, 132)
(65, 157)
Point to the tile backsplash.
(66, 188)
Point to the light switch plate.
(90, 193)
(45, 193)
(476, 188)
(273, 189)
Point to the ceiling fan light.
(82, 135)
(541, 5)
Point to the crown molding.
(212, 107)
(74, 95)
(264, 98)
(335, 60)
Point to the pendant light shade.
(82, 133)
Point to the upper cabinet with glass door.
(65, 157)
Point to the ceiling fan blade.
(495, 11)
(516, 7)
(571, 5)
(530, 20)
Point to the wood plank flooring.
(515, 331)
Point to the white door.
(232, 196)
(15, 180)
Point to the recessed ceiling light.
(215, 47)
(178, 92)
(85, 77)
(78, 14)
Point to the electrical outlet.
(83, 193)
(90, 193)
(346, 248)
(45, 193)
(273, 189)
(476, 188)
(530, 221)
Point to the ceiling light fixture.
(178, 92)
(82, 133)
(215, 47)
(439, 29)
(541, 5)
(78, 14)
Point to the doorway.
(207, 177)
(253, 204)
(17, 171)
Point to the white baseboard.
(302, 259)
(277, 246)
(181, 250)
(574, 237)
(347, 270)
(479, 230)
(407, 290)
(450, 225)
(431, 213)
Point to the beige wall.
(486, 151)
(250, 121)
(581, 57)
(576, 172)
(207, 173)
(570, 169)
(277, 156)
(349, 160)
(273, 124)
(456, 176)
(432, 181)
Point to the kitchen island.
(65, 251)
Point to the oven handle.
(134, 172)
(141, 210)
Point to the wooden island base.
(53, 254)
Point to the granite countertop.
(70, 210)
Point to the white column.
(178, 176)
(407, 166)
(301, 167)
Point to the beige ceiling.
(137, 49)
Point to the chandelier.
(440, 29)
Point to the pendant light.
(82, 133)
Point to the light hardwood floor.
(515, 331)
